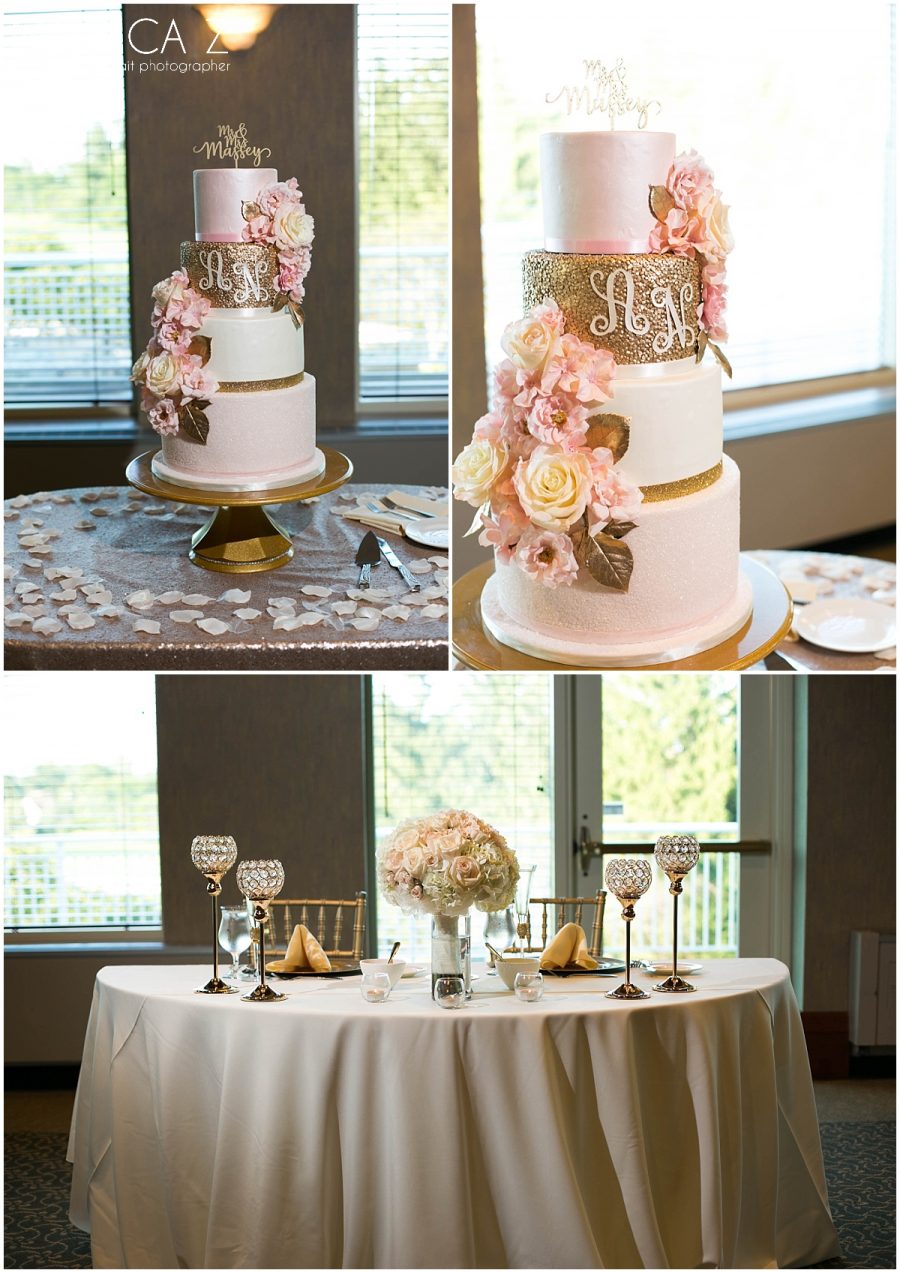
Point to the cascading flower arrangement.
(446, 863)
(175, 386)
(278, 216)
(541, 466)
(692, 221)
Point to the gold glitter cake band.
(233, 275)
(684, 485)
(259, 386)
(642, 308)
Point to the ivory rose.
(292, 227)
(163, 374)
(476, 469)
(139, 370)
(464, 871)
(171, 288)
(528, 342)
(554, 486)
(718, 230)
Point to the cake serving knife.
(393, 560)
(367, 555)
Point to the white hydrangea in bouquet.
(446, 863)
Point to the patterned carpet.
(859, 1162)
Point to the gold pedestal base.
(263, 994)
(241, 537)
(216, 986)
(675, 986)
(627, 990)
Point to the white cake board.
(682, 644)
(287, 477)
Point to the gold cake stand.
(241, 537)
(769, 621)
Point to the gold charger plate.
(605, 968)
(768, 623)
(339, 968)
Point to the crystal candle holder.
(628, 880)
(677, 855)
(214, 856)
(260, 880)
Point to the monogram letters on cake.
(249, 277)
(677, 324)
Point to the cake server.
(392, 559)
(367, 555)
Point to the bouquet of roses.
(446, 863)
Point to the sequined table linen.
(325, 1132)
(91, 573)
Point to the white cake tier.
(218, 195)
(675, 422)
(685, 576)
(248, 348)
(257, 441)
(595, 188)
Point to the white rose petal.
(434, 612)
(141, 600)
(36, 611)
(282, 601)
(46, 626)
(420, 567)
(196, 599)
(21, 501)
(365, 625)
(185, 616)
(889, 656)
(109, 612)
(397, 612)
(68, 595)
(215, 627)
(169, 598)
(344, 607)
(81, 622)
(315, 590)
(247, 614)
(146, 625)
(235, 597)
(85, 525)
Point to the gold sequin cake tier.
(232, 275)
(642, 308)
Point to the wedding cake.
(598, 474)
(223, 379)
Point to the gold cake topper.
(605, 89)
(232, 143)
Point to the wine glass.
(628, 879)
(214, 856)
(260, 880)
(523, 898)
(449, 992)
(676, 854)
(234, 935)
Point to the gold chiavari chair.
(330, 920)
(557, 908)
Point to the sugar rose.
(554, 486)
(139, 370)
(477, 468)
(171, 288)
(293, 228)
(717, 228)
(162, 375)
(528, 342)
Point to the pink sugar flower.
(196, 382)
(615, 500)
(560, 420)
(163, 416)
(581, 369)
(690, 179)
(489, 426)
(547, 557)
(712, 317)
(503, 529)
(174, 337)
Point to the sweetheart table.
(677, 1132)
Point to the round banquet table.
(326, 1132)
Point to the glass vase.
(446, 948)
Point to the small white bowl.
(509, 965)
(394, 970)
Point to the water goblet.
(676, 854)
(449, 992)
(260, 880)
(529, 986)
(628, 880)
(234, 935)
(376, 986)
(500, 931)
(214, 856)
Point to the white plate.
(413, 970)
(433, 532)
(848, 625)
(664, 969)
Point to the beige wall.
(850, 827)
(295, 91)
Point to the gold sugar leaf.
(610, 562)
(701, 345)
(723, 361)
(192, 418)
(201, 345)
(610, 430)
(618, 530)
(296, 312)
(250, 209)
(661, 202)
(280, 301)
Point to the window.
(403, 102)
(67, 313)
(81, 823)
(769, 97)
(479, 743)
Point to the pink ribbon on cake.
(217, 238)
(598, 247)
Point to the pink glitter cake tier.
(219, 194)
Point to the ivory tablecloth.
(678, 1132)
(129, 543)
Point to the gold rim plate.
(605, 968)
(339, 968)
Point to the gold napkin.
(568, 947)
(305, 952)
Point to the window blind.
(811, 282)
(66, 338)
(403, 103)
(80, 809)
(484, 745)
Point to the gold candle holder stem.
(627, 990)
(215, 986)
(675, 984)
(262, 993)
(674, 933)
